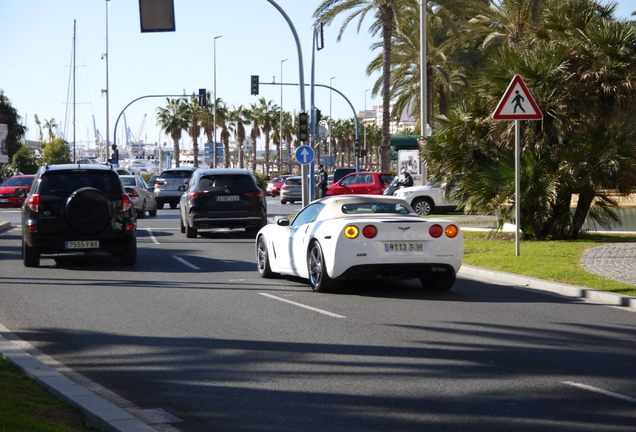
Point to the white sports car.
(361, 237)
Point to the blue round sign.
(305, 155)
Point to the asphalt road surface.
(193, 331)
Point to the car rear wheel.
(191, 232)
(129, 255)
(262, 259)
(142, 213)
(318, 277)
(173, 205)
(181, 225)
(283, 202)
(30, 255)
(423, 206)
(153, 212)
(160, 206)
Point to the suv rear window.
(293, 181)
(224, 180)
(66, 182)
(176, 174)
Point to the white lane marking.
(303, 306)
(181, 260)
(601, 391)
(152, 236)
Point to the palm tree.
(194, 129)
(264, 115)
(387, 13)
(50, 125)
(239, 116)
(173, 119)
(222, 118)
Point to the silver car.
(142, 195)
(292, 190)
(167, 185)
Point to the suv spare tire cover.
(88, 210)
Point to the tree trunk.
(386, 15)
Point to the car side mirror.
(20, 193)
(282, 222)
(181, 188)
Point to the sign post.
(517, 104)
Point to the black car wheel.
(262, 259)
(318, 277)
(142, 213)
(30, 255)
(173, 205)
(88, 210)
(129, 256)
(423, 206)
(181, 225)
(153, 212)
(191, 232)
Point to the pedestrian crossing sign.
(517, 103)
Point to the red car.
(362, 183)
(277, 183)
(8, 197)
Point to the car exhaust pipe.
(203, 226)
(411, 273)
(386, 273)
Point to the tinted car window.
(386, 179)
(223, 181)
(18, 181)
(67, 182)
(293, 182)
(176, 174)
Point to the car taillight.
(451, 231)
(34, 203)
(126, 203)
(369, 231)
(160, 182)
(351, 231)
(254, 194)
(435, 231)
(194, 195)
(133, 193)
(286, 188)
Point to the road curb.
(100, 413)
(553, 287)
(4, 225)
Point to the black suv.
(78, 208)
(222, 198)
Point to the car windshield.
(177, 174)
(18, 181)
(374, 207)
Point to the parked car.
(222, 198)
(142, 195)
(14, 190)
(339, 173)
(277, 183)
(292, 190)
(361, 237)
(361, 183)
(78, 208)
(167, 185)
(427, 199)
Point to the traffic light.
(303, 126)
(356, 147)
(254, 84)
(318, 115)
(203, 101)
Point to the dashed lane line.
(601, 391)
(181, 260)
(331, 314)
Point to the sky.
(36, 37)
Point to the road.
(192, 330)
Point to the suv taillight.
(34, 203)
(126, 203)
(254, 194)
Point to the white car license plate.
(83, 244)
(403, 247)
(4, 200)
(227, 198)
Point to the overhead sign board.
(517, 103)
(305, 155)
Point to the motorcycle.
(393, 186)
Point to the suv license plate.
(403, 247)
(84, 244)
(227, 198)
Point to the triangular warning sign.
(517, 103)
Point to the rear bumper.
(242, 222)
(56, 245)
(397, 271)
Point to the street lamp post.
(105, 55)
(365, 124)
(214, 140)
(330, 115)
(281, 109)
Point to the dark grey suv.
(222, 198)
(78, 208)
(168, 183)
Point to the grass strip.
(557, 261)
